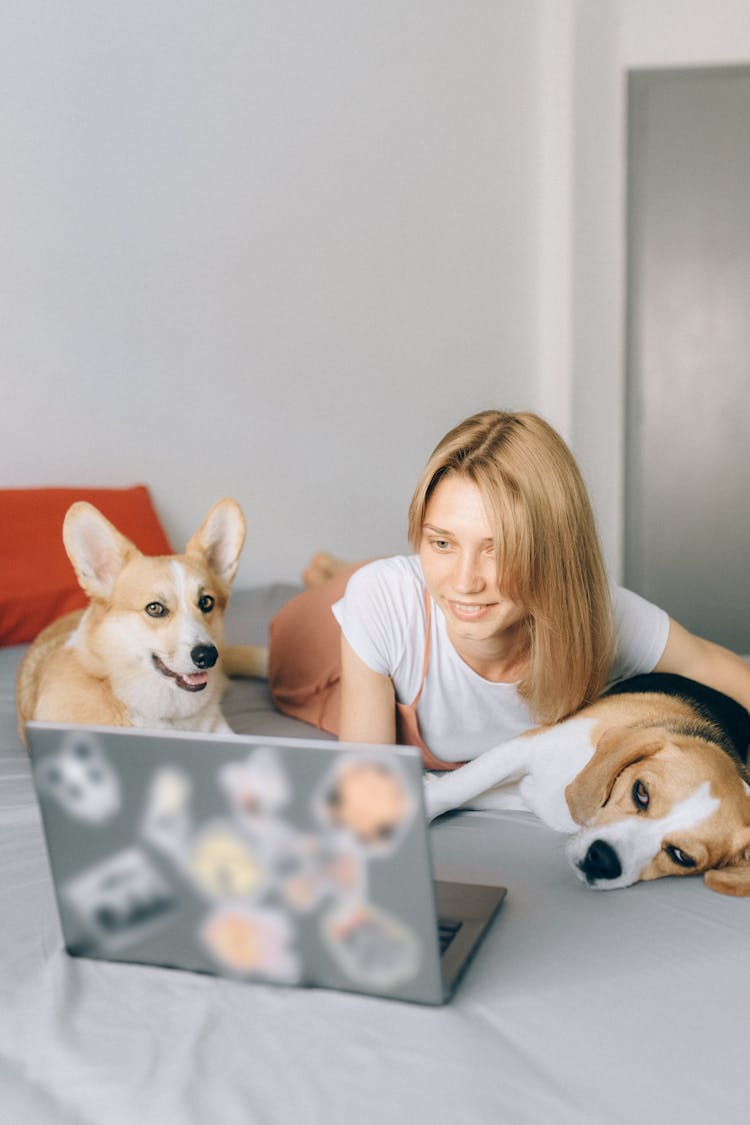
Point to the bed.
(582, 1007)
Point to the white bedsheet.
(603, 1008)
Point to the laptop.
(286, 861)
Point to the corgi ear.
(617, 748)
(219, 539)
(96, 549)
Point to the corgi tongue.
(194, 679)
(191, 681)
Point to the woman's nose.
(468, 577)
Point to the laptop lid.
(262, 859)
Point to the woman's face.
(457, 552)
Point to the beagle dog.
(649, 781)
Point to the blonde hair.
(548, 555)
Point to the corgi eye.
(156, 609)
(678, 856)
(206, 603)
(640, 796)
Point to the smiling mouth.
(468, 611)
(192, 681)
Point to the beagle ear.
(730, 880)
(96, 549)
(734, 879)
(617, 748)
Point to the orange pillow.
(37, 581)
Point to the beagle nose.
(204, 656)
(601, 862)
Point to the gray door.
(688, 364)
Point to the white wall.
(272, 249)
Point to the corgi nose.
(204, 656)
(601, 862)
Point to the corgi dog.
(147, 652)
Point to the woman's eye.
(206, 603)
(440, 544)
(156, 609)
(678, 856)
(640, 796)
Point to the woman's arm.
(708, 663)
(368, 701)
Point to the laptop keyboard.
(446, 933)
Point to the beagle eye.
(156, 609)
(206, 603)
(640, 796)
(678, 856)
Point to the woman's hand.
(368, 701)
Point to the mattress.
(610, 1007)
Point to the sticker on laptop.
(256, 942)
(80, 779)
(167, 821)
(368, 800)
(257, 791)
(223, 865)
(257, 788)
(318, 868)
(120, 900)
(371, 946)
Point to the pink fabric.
(305, 665)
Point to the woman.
(502, 619)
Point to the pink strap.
(406, 713)
(427, 643)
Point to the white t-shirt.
(382, 616)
